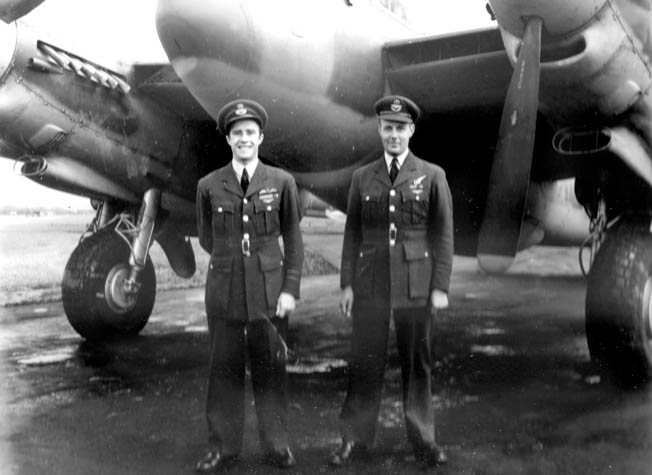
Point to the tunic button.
(392, 208)
(245, 201)
(392, 192)
(417, 198)
(426, 253)
(219, 209)
(360, 254)
(269, 208)
(245, 236)
(366, 198)
(245, 218)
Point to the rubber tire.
(617, 307)
(83, 289)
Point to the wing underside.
(448, 73)
(161, 83)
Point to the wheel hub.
(115, 291)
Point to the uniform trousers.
(229, 341)
(369, 355)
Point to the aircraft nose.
(559, 16)
(7, 47)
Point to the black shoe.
(346, 452)
(282, 459)
(432, 456)
(214, 461)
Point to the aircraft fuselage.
(317, 68)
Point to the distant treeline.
(35, 211)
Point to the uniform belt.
(393, 235)
(246, 244)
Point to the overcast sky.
(118, 22)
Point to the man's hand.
(438, 300)
(285, 304)
(346, 302)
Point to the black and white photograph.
(339, 237)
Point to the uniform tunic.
(247, 272)
(227, 219)
(398, 247)
(418, 206)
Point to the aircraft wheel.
(619, 304)
(92, 291)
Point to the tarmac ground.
(514, 389)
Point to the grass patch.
(34, 252)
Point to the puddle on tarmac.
(492, 350)
(315, 365)
(179, 323)
(40, 310)
(196, 329)
(477, 331)
(57, 355)
(473, 296)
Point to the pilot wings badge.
(417, 185)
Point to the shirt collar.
(238, 167)
(401, 159)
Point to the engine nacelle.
(593, 60)
(81, 127)
(12, 10)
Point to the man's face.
(395, 136)
(244, 138)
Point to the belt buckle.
(392, 234)
(245, 245)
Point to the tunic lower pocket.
(271, 266)
(218, 284)
(419, 263)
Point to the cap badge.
(240, 109)
(396, 106)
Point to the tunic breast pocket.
(223, 217)
(267, 217)
(218, 284)
(419, 263)
(414, 208)
(363, 282)
(370, 210)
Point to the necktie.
(393, 170)
(244, 180)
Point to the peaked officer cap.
(240, 109)
(397, 108)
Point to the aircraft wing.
(452, 72)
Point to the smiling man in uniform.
(251, 288)
(396, 262)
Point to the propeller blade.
(510, 172)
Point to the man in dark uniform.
(396, 262)
(251, 288)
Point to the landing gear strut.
(109, 285)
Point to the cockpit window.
(395, 7)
